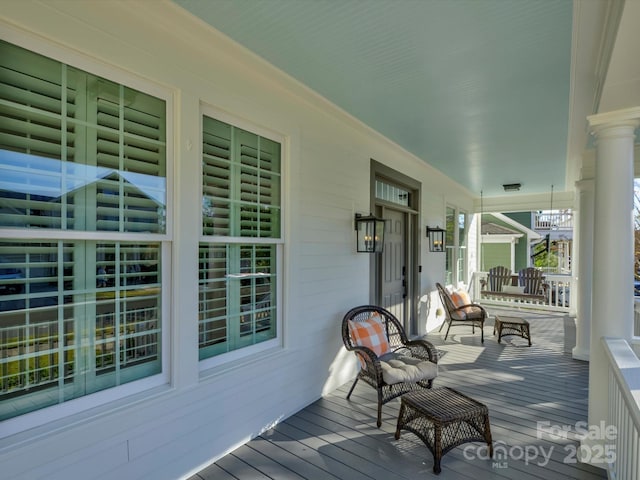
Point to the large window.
(82, 230)
(241, 238)
(456, 246)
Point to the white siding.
(198, 418)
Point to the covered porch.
(221, 406)
(528, 390)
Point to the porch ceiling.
(482, 91)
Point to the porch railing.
(553, 221)
(624, 408)
(558, 293)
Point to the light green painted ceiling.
(477, 88)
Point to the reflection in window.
(241, 201)
(237, 296)
(78, 153)
(66, 331)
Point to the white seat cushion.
(407, 369)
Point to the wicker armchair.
(409, 364)
(468, 314)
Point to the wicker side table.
(512, 326)
(444, 418)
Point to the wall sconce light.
(436, 239)
(369, 234)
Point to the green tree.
(546, 261)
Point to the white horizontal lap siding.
(325, 181)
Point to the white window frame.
(210, 365)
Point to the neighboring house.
(556, 226)
(516, 239)
(505, 242)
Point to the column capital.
(628, 117)
(585, 184)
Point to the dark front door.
(393, 271)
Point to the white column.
(612, 305)
(584, 267)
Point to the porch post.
(584, 267)
(612, 305)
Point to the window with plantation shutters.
(49, 315)
(79, 154)
(240, 182)
(241, 238)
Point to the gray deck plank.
(408, 459)
(454, 460)
(239, 469)
(325, 465)
(265, 464)
(338, 438)
(339, 450)
(212, 472)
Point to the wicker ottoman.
(512, 326)
(444, 418)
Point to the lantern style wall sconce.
(369, 234)
(436, 239)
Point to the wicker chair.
(375, 370)
(469, 314)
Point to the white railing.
(553, 221)
(636, 317)
(624, 408)
(558, 293)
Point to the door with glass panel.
(396, 270)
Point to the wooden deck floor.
(337, 439)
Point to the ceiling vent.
(511, 187)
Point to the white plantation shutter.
(213, 296)
(216, 177)
(32, 106)
(77, 152)
(241, 181)
(36, 337)
(128, 307)
(237, 304)
(47, 310)
(54, 119)
(259, 186)
(131, 139)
